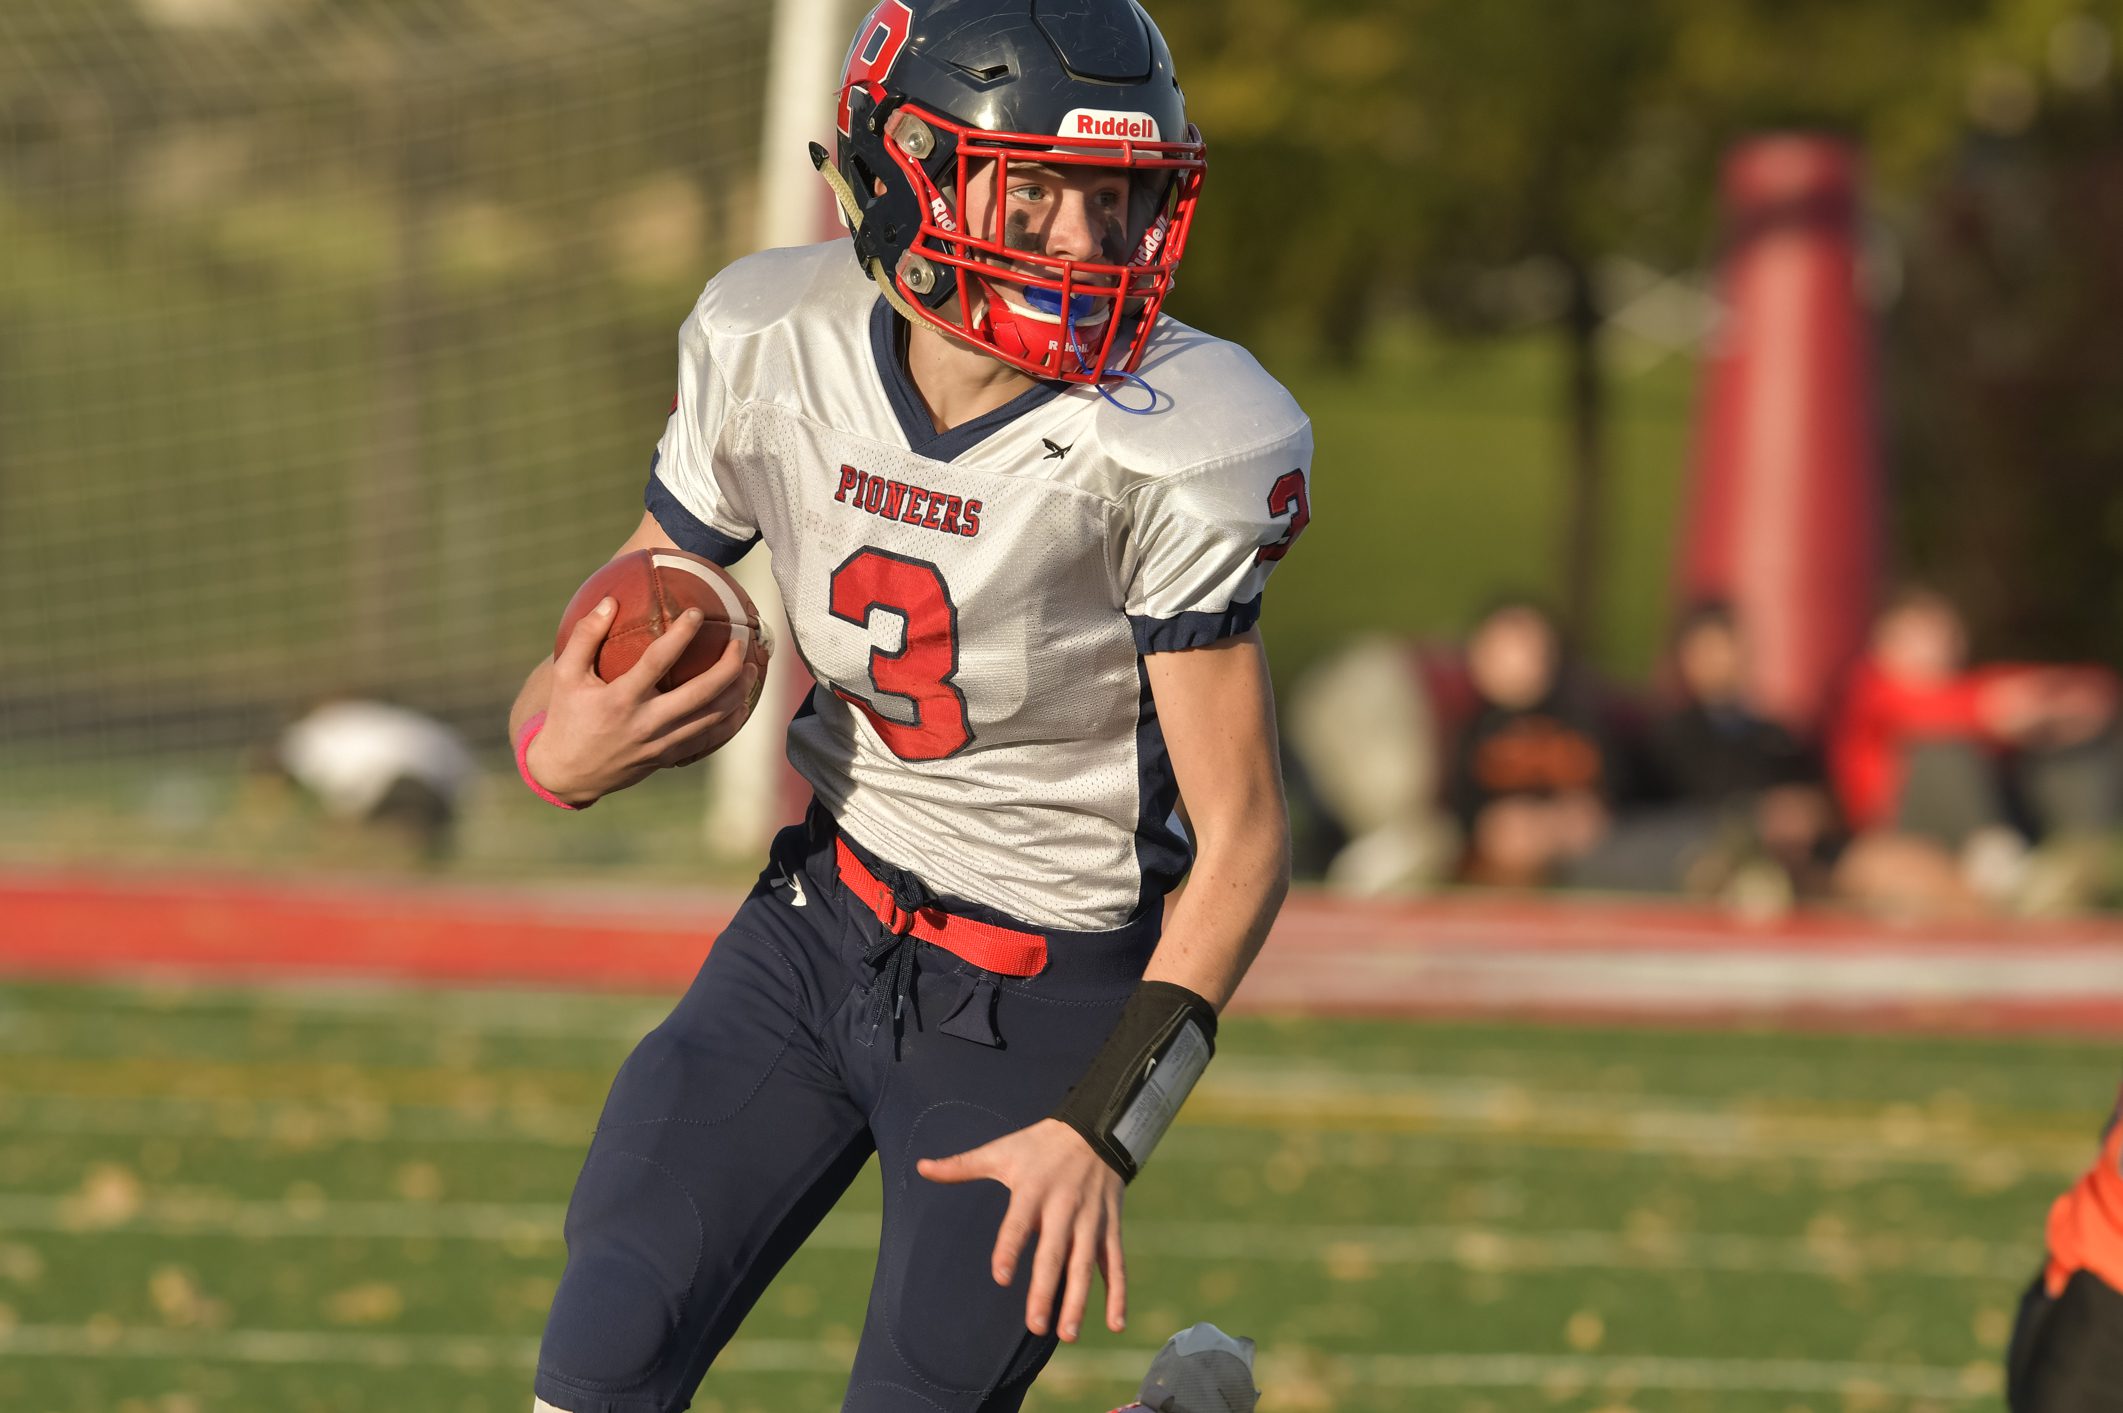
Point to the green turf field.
(268, 1202)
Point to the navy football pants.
(738, 1122)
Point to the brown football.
(651, 588)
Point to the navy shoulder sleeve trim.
(1193, 630)
(688, 531)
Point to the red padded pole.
(1785, 505)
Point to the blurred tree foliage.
(344, 317)
(1485, 164)
(1373, 153)
(418, 256)
(2006, 387)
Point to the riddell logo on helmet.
(1103, 122)
(1153, 241)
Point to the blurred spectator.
(1947, 774)
(1532, 778)
(1755, 792)
(1366, 731)
(393, 773)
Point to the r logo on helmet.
(876, 49)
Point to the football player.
(2067, 1347)
(1021, 521)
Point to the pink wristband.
(524, 738)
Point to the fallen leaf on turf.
(371, 1303)
(1562, 1385)
(1350, 1261)
(419, 1181)
(1481, 1250)
(1992, 1170)
(1980, 1377)
(305, 1200)
(109, 1196)
(23, 1265)
(297, 1130)
(176, 1296)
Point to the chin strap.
(852, 211)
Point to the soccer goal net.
(334, 342)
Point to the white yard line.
(1302, 1097)
(500, 1014)
(254, 1121)
(113, 1341)
(534, 1222)
(1971, 1384)
(1281, 1372)
(1350, 1251)
(1300, 1102)
(1670, 979)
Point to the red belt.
(997, 949)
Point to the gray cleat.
(1201, 1370)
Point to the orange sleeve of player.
(2086, 1223)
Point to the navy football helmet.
(936, 91)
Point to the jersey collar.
(914, 421)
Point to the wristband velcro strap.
(1145, 1071)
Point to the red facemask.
(1076, 321)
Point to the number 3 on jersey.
(1287, 497)
(922, 669)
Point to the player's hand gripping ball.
(650, 588)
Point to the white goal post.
(749, 785)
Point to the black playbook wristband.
(1143, 1073)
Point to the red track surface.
(1459, 956)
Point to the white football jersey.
(974, 604)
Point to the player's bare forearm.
(1218, 713)
(1219, 923)
(1065, 1199)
